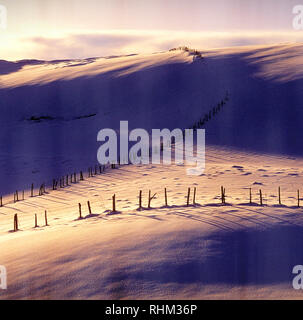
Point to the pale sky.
(54, 29)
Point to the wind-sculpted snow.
(161, 90)
(51, 113)
(207, 250)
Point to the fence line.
(223, 197)
(62, 182)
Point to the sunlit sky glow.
(53, 29)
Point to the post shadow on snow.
(173, 206)
(112, 213)
(237, 206)
(153, 216)
(244, 257)
(88, 216)
(99, 215)
(206, 220)
(14, 231)
(268, 215)
(253, 220)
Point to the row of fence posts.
(151, 197)
(223, 196)
(16, 221)
(90, 208)
(62, 182)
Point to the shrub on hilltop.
(194, 52)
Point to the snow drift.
(51, 112)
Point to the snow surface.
(239, 250)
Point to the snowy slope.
(203, 251)
(169, 89)
(206, 251)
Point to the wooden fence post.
(114, 203)
(261, 199)
(298, 198)
(81, 176)
(32, 190)
(80, 212)
(222, 195)
(165, 193)
(89, 208)
(279, 191)
(16, 227)
(250, 197)
(140, 199)
(194, 199)
(36, 221)
(45, 217)
(150, 198)
(188, 195)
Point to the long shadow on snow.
(234, 258)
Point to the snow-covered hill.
(75, 99)
(51, 113)
(206, 251)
